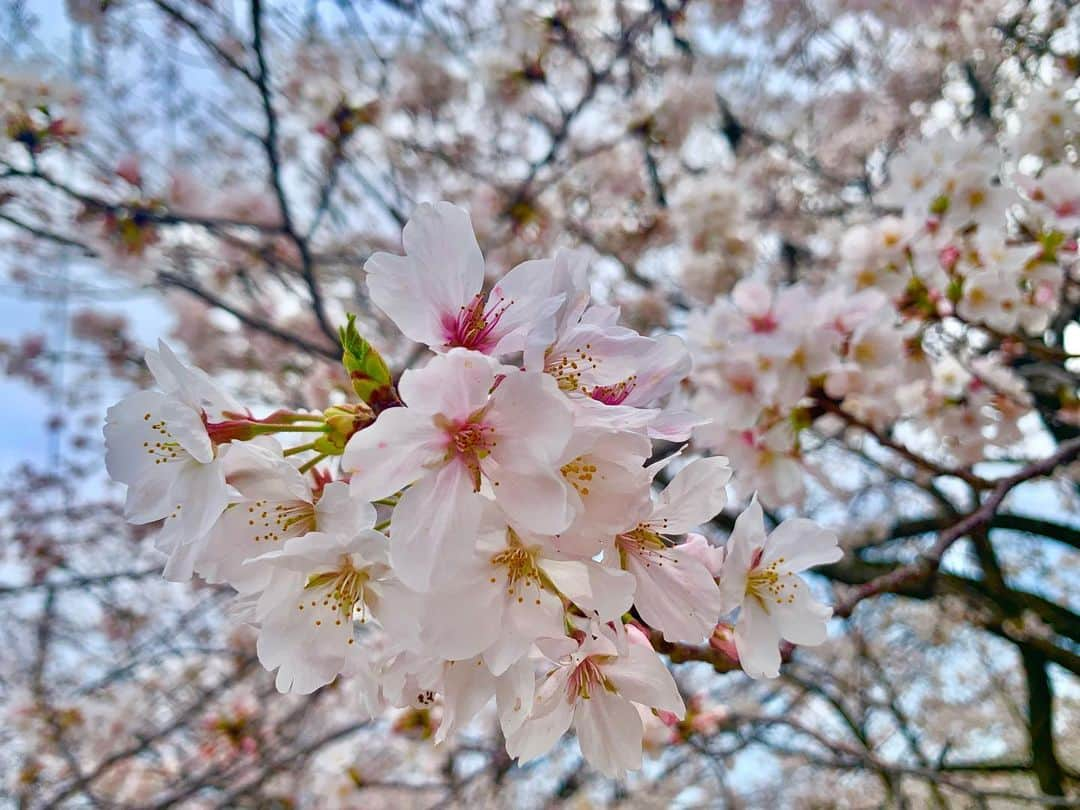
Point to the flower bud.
(367, 370)
(343, 421)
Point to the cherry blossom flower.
(760, 577)
(597, 690)
(158, 445)
(276, 503)
(675, 591)
(513, 593)
(318, 585)
(433, 292)
(467, 421)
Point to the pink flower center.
(614, 394)
(1067, 208)
(763, 323)
(468, 441)
(474, 326)
(585, 678)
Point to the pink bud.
(723, 641)
(128, 169)
(948, 257)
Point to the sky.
(23, 433)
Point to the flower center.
(579, 474)
(343, 591)
(614, 394)
(586, 677)
(166, 449)
(469, 441)
(568, 367)
(517, 564)
(763, 323)
(280, 521)
(474, 326)
(771, 584)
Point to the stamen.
(473, 328)
(343, 591)
(771, 584)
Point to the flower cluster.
(967, 251)
(488, 518)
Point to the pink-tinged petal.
(801, 543)
(699, 547)
(641, 676)
(746, 538)
(399, 448)
(201, 495)
(660, 370)
(675, 594)
(456, 384)
(514, 692)
(752, 297)
(534, 500)
(609, 732)
(550, 718)
(695, 496)
(539, 614)
(522, 301)
(675, 426)
(591, 414)
(532, 421)
(340, 511)
(191, 385)
(803, 620)
(441, 272)
(460, 623)
(467, 688)
(757, 639)
(603, 593)
(433, 528)
(788, 480)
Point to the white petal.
(801, 543)
(757, 640)
(399, 448)
(550, 718)
(455, 384)
(641, 676)
(340, 511)
(434, 527)
(803, 620)
(746, 538)
(130, 436)
(609, 731)
(467, 688)
(514, 694)
(601, 592)
(695, 496)
(442, 271)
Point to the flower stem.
(307, 465)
